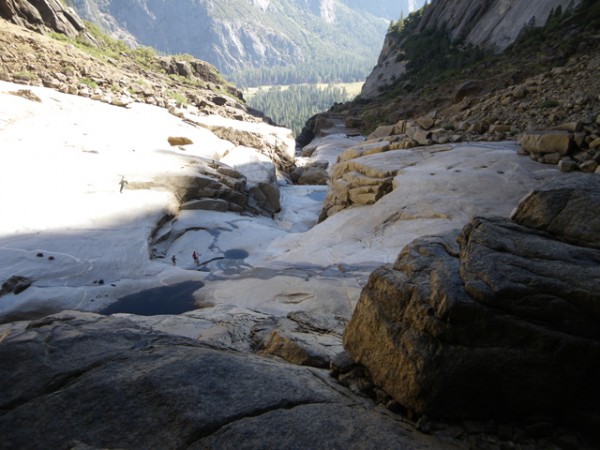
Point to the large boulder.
(77, 380)
(567, 208)
(503, 324)
(51, 14)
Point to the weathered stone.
(588, 166)
(452, 331)
(595, 143)
(49, 13)
(579, 138)
(531, 276)
(519, 91)
(470, 88)
(499, 128)
(570, 126)
(302, 338)
(420, 136)
(567, 165)
(184, 69)
(353, 122)
(308, 151)
(314, 176)
(376, 149)
(179, 140)
(382, 131)
(151, 389)
(551, 158)
(15, 284)
(547, 142)
(358, 150)
(439, 352)
(566, 207)
(426, 122)
(210, 204)
(401, 126)
(477, 128)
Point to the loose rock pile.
(31, 58)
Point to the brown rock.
(470, 88)
(588, 166)
(173, 140)
(353, 122)
(570, 126)
(499, 128)
(426, 122)
(567, 165)
(382, 131)
(547, 142)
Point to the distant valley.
(258, 42)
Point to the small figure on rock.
(195, 258)
(122, 183)
(174, 260)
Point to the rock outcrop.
(504, 324)
(493, 24)
(73, 376)
(39, 14)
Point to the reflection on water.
(174, 299)
(318, 196)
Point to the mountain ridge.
(237, 34)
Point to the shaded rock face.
(42, 13)
(493, 24)
(503, 324)
(153, 390)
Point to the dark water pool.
(236, 253)
(174, 299)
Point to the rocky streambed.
(249, 364)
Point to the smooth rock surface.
(87, 380)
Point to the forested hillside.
(294, 105)
(256, 42)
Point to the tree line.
(293, 106)
(333, 69)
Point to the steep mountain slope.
(492, 25)
(239, 34)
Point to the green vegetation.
(433, 58)
(180, 99)
(25, 75)
(88, 82)
(334, 68)
(549, 103)
(294, 105)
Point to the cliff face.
(490, 24)
(239, 34)
(38, 14)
